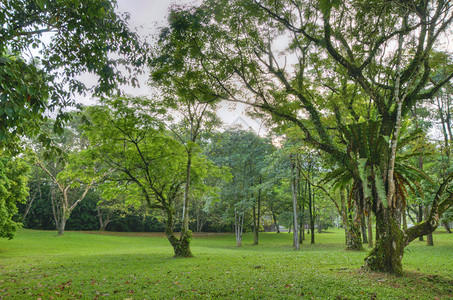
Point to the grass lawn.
(39, 264)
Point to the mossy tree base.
(180, 245)
(353, 238)
(387, 255)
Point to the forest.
(354, 98)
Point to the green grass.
(39, 264)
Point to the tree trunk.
(353, 239)
(255, 232)
(429, 239)
(404, 219)
(387, 255)
(277, 227)
(303, 231)
(100, 218)
(200, 218)
(301, 222)
(103, 223)
(363, 228)
(420, 219)
(257, 227)
(294, 179)
(446, 226)
(185, 232)
(65, 213)
(29, 203)
(311, 214)
(256, 217)
(62, 224)
(180, 246)
(238, 224)
(370, 229)
(429, 236)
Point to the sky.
(148, 15)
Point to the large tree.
(143, 159)
(45, 45)
(306, 62)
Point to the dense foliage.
(45, 45)
(13, 190)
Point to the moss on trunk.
(387, 255)
(181, 245)
(353, 238)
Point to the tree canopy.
(45, 45)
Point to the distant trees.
(244, 153)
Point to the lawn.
(39, 264)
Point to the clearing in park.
(84, 265)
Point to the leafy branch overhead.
(44, 47)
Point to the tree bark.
(311, 213)
(238, 223)
(420, 219)
(404, 218)
(446, 226)
(370, 229)
(353, 239)
(62, 225)
(294, 179)
(429, 236)
(301, 226)
(277, 227)
(31, 199)
(258, 217)
(387, 255)
(103, 223)
(180, 246)
(353, 227)
(185, 212)
(363, 229)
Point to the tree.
(197, 118)
(13, 189)
(68, 178)
(131, 140)
(68, 166)
(381, 48)
(45, 45)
